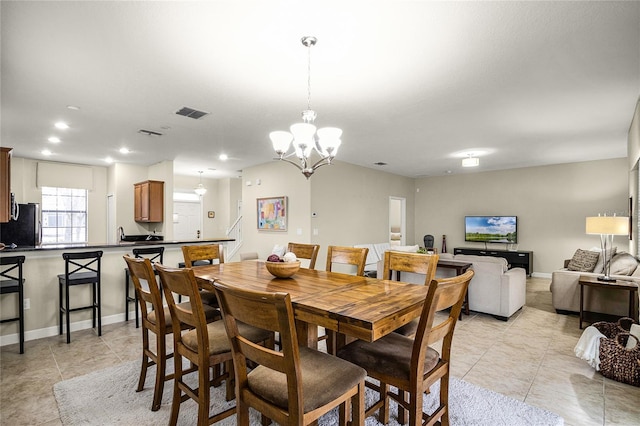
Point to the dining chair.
(82, 268)
(12, 282)
(356, 256)
(296, 385)
(412, 365)
(249, 255)
(205, 254)
(158, 321)
(155, 254)
(206, 346)
(398, 262)
(305, 251)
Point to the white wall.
(551, 203)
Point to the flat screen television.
(491, 229)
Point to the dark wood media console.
(516, 259)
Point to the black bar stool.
(11, 281)
(79, 269)
(154, 254)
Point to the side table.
(460, 267)
(593, 282)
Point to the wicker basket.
(616, 361)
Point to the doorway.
(187, 220)
(397, 221)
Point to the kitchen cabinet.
(148, 202)
(5, 184)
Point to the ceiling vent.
(149, 132)
(191, 113)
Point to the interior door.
(187, 221)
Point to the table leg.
(307, 334)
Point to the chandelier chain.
(309, 77)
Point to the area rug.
(108, 397)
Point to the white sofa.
(565, 291)
(494, 289)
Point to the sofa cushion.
(623, 264)
(600, 263)
(408, 249)
(583, 261)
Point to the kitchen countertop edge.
(91, 246)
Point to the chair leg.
(145, 360)
(161, 366)
(99, 309)
(444, 399)
(68, 320)
(402, 413)
(177, 393)
(357, 406)
(21, 313)
(93, 305)
(135, 297)
(203, 396)
(384, 410)
(126, 295)
(242, 415)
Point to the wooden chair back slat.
(305, 251)
(182, 282)
(410, 262)
(349, 256)
(208, 252)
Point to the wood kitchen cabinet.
(148, 199)
(5, 184)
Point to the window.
(64, 215)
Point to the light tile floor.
(530, 358)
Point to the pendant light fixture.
(305, 138)
(200, 189)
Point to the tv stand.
(515, 259)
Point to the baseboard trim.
(10, 339)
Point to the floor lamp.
(607, 227)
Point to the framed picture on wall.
(272, 214)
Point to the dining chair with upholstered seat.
(155, 254)
(412, 365)
(355, 256)
(296, 385)
(305, 251)
(206, 346)
(205, 254)
(398, 262)
(158, 321)
(251, 255)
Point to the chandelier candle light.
(305, 138)
(607, 227)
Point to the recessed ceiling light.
(73, 107)
(54, 139)
(223, 157)
(61, 125)
(108, 160)
(124, 150)
(46, 152)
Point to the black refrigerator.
(25, 231)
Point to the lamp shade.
(607, 225)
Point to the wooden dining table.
(358, 307)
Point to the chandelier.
(305, 138)
(200, 189)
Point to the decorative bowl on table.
(283, 269)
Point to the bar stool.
(11, 281)
(154, 254)
(79, 269)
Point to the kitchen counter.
(41, 269)
(97, 246)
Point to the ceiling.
(413, 84)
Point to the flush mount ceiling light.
(61, 125)
(324, 142)
(200, 189)
(124, 150)
(54, 139)
(470, 161)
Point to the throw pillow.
(583, 261)
(599, 268)
(635, 331)
(623, 264)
